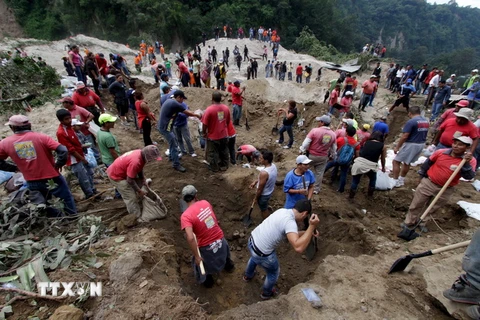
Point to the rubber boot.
(351, 195)
(370, 191)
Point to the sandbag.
(384, 182)
(153, 207)
(90, 157)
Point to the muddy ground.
(356, 249)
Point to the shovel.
(410, 234)
(246, 119)
(247, 220)
(403, 262)
(275, 129)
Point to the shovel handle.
(202, 267)
(445, 186)
(451, 247)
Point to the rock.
(242, 242)
(364, 308)
(143, 284)
(67, 313)
(113, 225)
(125, 266)
(242, 235)
(239, 248)
(236, 234)
(219, 282)
(128, 221)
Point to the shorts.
(404, 100)
(263, 202)
(122, 107)
(409, 152)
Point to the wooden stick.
(94, 196)
(33, 294)
(202, 267)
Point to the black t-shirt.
(290, 122)
(372, 150)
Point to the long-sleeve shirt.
(443, 95)
(67, 137)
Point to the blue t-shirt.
(182, 118)
(443, 94)
(294, 181)
(380, 126)
(163, 84)
(169, 111)
(418, 129)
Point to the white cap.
(464, 139)
(475, 70)
(303, 159)
(453, 75)
(76, 122)
(349, 93)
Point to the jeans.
(220, 84)
(96, 84)
(237, 113)
(217, 154)
(477, 155)
(94, 148)
(123, 66)
(84, 175)
(231, 149)
(169, 72)
(372, 175)
(364, 101)
(372, 96)
(343, 173)
(269, 264)
(471, 261)
(436, 108)
(299, 78)
(147, 129)
(173, 147)
(318, 164)
(307, 79)
(289, 130)
(182, 133)
(289, 76)
(61, 191)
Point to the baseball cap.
(76, 122)
(303, 159)
(349, 93)
(463, 103)
(151, 153)
(348, 121)
(221, 60)
(366, 126)
(325, 119)
(373, 76)
(453, 75)
(409, 80)
(80, 85)
(189, 190)
(237, 82)
(464, 139)
(464, 113)
(383, 117)
(179, 93)
(163, 76)
(256, 154)
(106, 118)
(66, 99)
(475, 70)
(17, 120)
(303, 205)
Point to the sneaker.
(247, 279)
(474, 312)
(316, 192)
(278, 141)
(167, 152)
(180, 155)
(180, 168)
(286, 147)
(399, 183)
(193, 155)
(273, 294)
(462, 291)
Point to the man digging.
(269, 234)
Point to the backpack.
(345, 156)
(217, 71)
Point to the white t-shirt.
(274, 229)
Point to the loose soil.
(357, 242)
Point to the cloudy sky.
(463, 3)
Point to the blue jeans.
(372, 96)
(477, 155)
(80, 75)
(269, 264)
(182, 133)
(436, 110)
(471, 261)
(237, 112)
(173, 146)
(169, 72)
(84, 175)
(299, 78)
(372, 175)
(289, 130)
(61, 191)
(123, 66)
(343, 173)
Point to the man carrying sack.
(205, 237)
(435, 172)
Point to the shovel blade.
(407, 234)
(274, 131)
(247, 221)
(400, 264)
(311, 250)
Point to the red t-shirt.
(452, 129)
(81, 114)
(299, 70)
(182, 67)
(236, 97)
(363, 136)
(201, 218)
(351, 141)
(333, 98)
(88, 100)
(444, 166)
(141, 114)
(247, 149)
(369, 87)
(68, 137)
(448, 114)
(102, 65)
(216, 118)
(322, 139)
(127, 165)
(32, 153)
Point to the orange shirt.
(143, 46)
(142, 52)
(150, 49)
(162, 50)
(192, 78)
(274, 38)
(137, 59)
(265, 33)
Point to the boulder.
(67, 313)
(126, 266)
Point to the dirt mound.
(8, 24)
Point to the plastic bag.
(153, 207)
(384, 182)
(92, 162)
(476, 185)
(5, 176)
